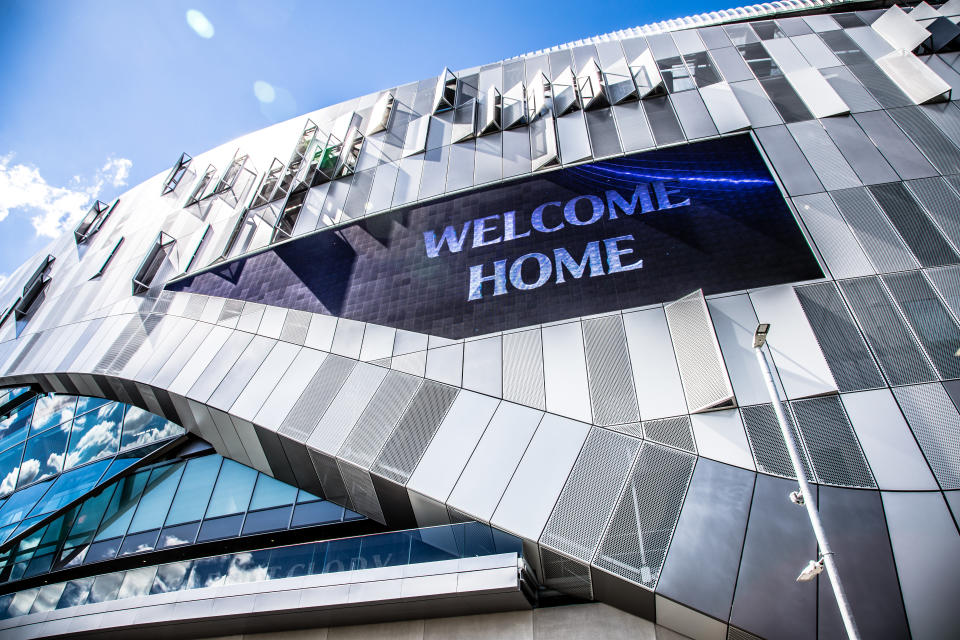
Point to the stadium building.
(473, 356)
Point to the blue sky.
(96, 96)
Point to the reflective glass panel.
(10, 468)
(43, 455)
(13, 428)
(75, 593)
(171, 577)
(153, 507)
(95, 434)
(120, 511)
(290, 562)
(69, 487)
(266, 520)
(86, 403)
(311, 513)
(208, 572)
(198, 479)
(270, 492)
(141, 427)
(232, 491)
(248, 567)
(178, 535)
(51, 411)
(20, 503)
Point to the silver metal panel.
(488, 472)
(833, 238)
(378, 420)
(377, 342)
(720, 436)
(815, 51)
(785, 55)
(271, 324)
(341, 414)
(161, 352)
(693, 115)
(724, 108)
(240, 373)
(220, 366)
(802, 368)
(250, 317)
(935, 423)
(612, 394)
(756, 104)
(528, 499)
(178, 359)
(655, 372)
(916, 79)
(523, 368)
(263, 382)
(348, 338)
(827, 161)
(200, 359)
(446, 364)
(734, 321)
(897, 28)
(572, 136)
(452, 445)
(320, 333)
(291, 385)
(891, 450)
(816, 93)
(483, 365)
(565, 371)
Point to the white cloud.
(54, 209)
(199, 23)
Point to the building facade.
(476, 357)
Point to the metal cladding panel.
(850, 361)
(295, 326)
(831, 443)
(289, 389)
(877, 236)
(494, 460)
(766, 441)
(947, 282)
(831, 167)
(565, 371)
(917, 230)
(612, 393)
(768, 601)
(360, 489)
(856, 147)
(942, 203)
(523, 368)
(674, 432)
(590, 494)
(721, 437)
(801, 366)
(655, 373)
(566, 575)
(241, 372)
(833, 238)
(902, 155)
(403, 449)
(529, 498)
(200, 359)
(450, 448)
(702, 369)
(927, 553)
(378, 419)
(338, 394)
(712, 524)
(635, 543)
(887, 334)
(483, 365)
(264, 381)
(735, 320)
(944, 155)
(933, 325)
(178, 359)
(935, 423)
(890, 448)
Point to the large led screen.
(615, 234)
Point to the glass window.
(191, 500)
(88, 519)
(219, 528)
(48, 598)
(105, 587)
(320, 512)
(75, 593)
(139, 542)
(10, 468)
(43, 456)
(137, 582)
(141, 427)
(69, 487)
(270, 492)
(120, 510)
(171, 577)
(341, 555)
(247, 567)
(208, 572)
(95, 434)
(157, 496)
(385, 550)
(178, 535)
(291, 562)
(266, 520)
(13, 428)
(51, 411)
(85, 404)
(102, 550)
(232, 491)
(22, 602)
(20, 503)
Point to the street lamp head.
(811, 571)
(760, 335)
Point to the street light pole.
(806, 495)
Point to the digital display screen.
(614, 234)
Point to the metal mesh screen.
(634, 429)
(566, 575)
(702, 371)
(636, 541)
(947, 282)
(194, 308)
(295, 326)
(674, 432)
(612, 394)
(887, 334)
(523, 369)
(416, 428)
(936, 425)
(917, 230)
(846, 353)
(876, 235)
(316, 397)
(934, 144)
(766, 441)
(360, 488)
(590, 493)
(935, 327)
(739, 634)
(379, 418)
(831, 443)
(941, 202)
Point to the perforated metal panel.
(674, 432)
(416, 429)
(702, 371)
(846, 353)
(919, 232)
(194, 308)
(295, 326)
(612, 394)
(636, 541)
(887, 334)
(831, 443)
(934, 144)
(379, 419)
(316, 397)
(566, 575)
(362, 493)
(766, 441)
(128, 331)
(947, 282)
(936, 424)
(590, 494)
(877, 236)
(634, 429)
(932, 323)
(734, 633)
(523, 368)
(231, 309)
(942, 203)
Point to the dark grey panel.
(612, 392)
(877, 236)
(637, 538)
(850, 90)
(895, 146)
(731, 64)
(785, 99)
(565, 574)
(857, 532)
(766, 441)
(794, 170)
(300, 464)
(328, 472)
(941, 202)
(403, 449)
(663, 120)
(879, 84)
(604, 140)
(887, 334)
(935, 327)
(768, 600)
(590, 494)
(693, 114)
(833, 448)
(935, 145)
(712, 526)
(859, 151)
(623, 595)
(674, 432)
(633, 127)
(846, 353)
